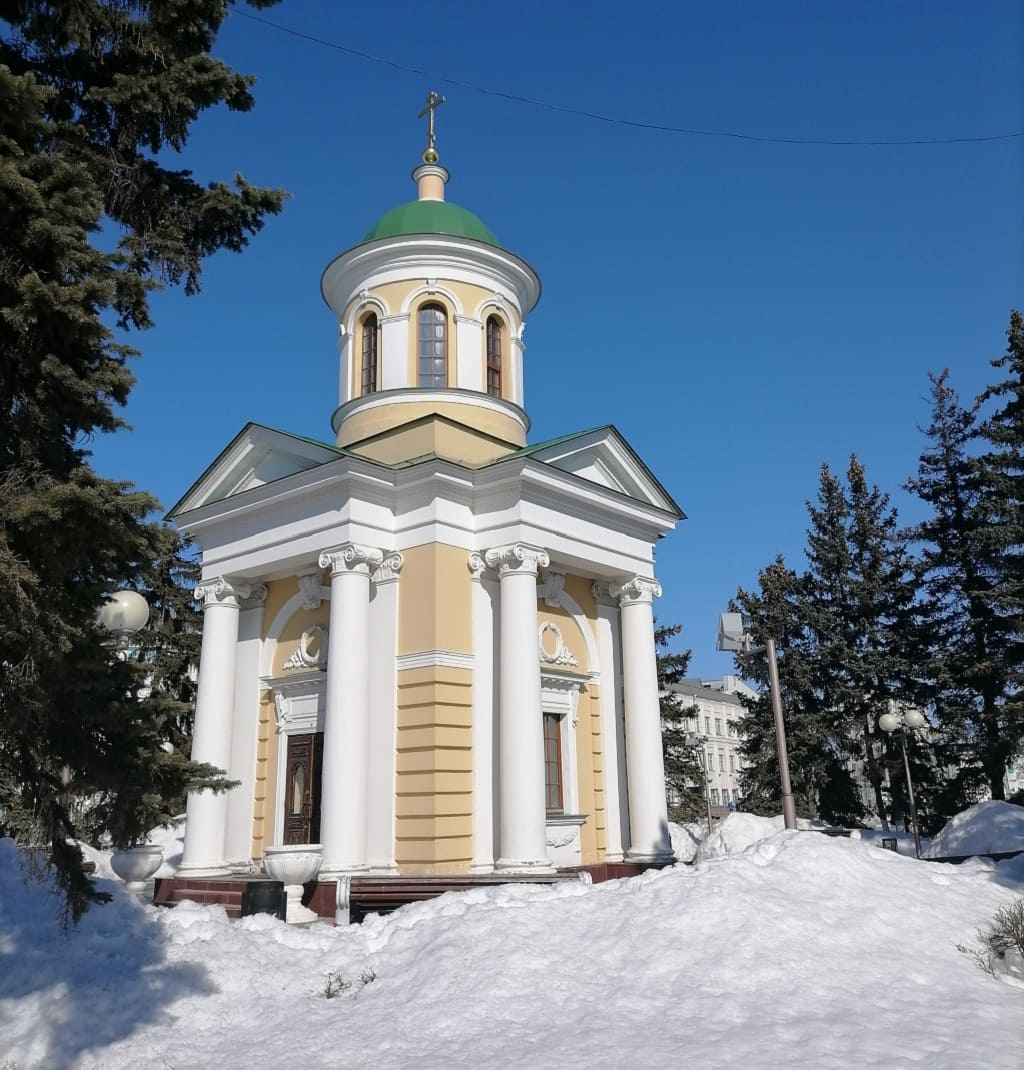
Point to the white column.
(485, 704)
(383, 710)
(645, 764)
(523, 846)
(469, 353)
(346, 717)
(206, 820)
(344, 365)
(245, 722)
(394, 352)
(518, 347)
(616, 810)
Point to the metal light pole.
(694, 741)
(892, 722)
(733, 637)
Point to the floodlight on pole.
(733, 637)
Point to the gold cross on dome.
(433, 103)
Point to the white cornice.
(419, 396)
(428, 659)
(428, 256)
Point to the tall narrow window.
(553, 762)
(370, 336)
(433, 347)
(494, 356)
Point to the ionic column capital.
(220, 591)
(351, 557)
(603, 595)
(518, 558)
(477, 565)
(637, 589)
(387, 571)
(257, 596)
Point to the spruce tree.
(684, 776)
(94, 98)
(1001, 434)
(821, 781)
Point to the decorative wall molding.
(559, 653)
(311, 652)
(311, 587)
(428, 659)
(551, 588)
(298, 702)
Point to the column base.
(520, 866)
(664, 858)
(331, 871)
(204, 869)
(481, 867)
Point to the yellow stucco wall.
(434, 777)
(378, 418)
(434, 436)
(266, 775)
(434, 600)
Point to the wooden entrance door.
(303, 768)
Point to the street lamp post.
(733, 637)
(893, 722)
(695, 743)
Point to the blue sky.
(741, 311)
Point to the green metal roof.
(431, 217)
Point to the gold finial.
(433, 103)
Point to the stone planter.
(295, 864)
(135, 865)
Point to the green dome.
(431, 217)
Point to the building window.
(725, 796)
(433, 346)
(494, 356)
(721, 762)
(732, 763)
(718, 726)
(707, 726)
(553, 762)
(732, 729)
(371, 334)
(714, 796)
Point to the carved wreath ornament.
(312, 650)
(553, 650)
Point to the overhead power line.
(663, 128)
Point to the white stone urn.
(294, 864)
(135, 865)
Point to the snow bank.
(989, 827)
(800, 951)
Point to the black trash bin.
(264, 897)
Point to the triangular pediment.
(604, 457)
(257, 455)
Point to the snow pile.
(738, 831)
(990, 827)
(799, 950)
(686, 839)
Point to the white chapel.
(428, 645)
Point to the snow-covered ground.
(774, 950)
